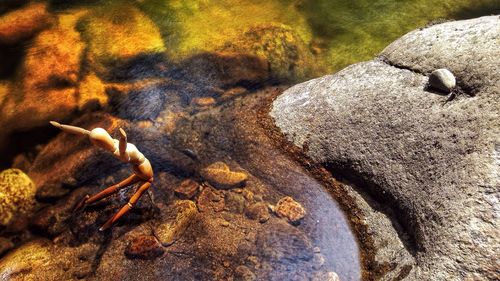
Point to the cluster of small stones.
(223, 189)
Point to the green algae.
(338, 32)
(354, 31)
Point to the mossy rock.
(118, 35)
(17, 195)
(289, 57)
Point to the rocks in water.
(434, 166)
(219, 175)
(224, 69)
(92, 92)
(23, 23)
(210, 199)
(51, 70)
(288, 57)
(290, 209)
(187, 189)
(144, 247)
(120, 37)
(203, 102)
(24, 259)
(17, 195)
(442, 79)
(258, 211)
(281, 242)
(178, 220)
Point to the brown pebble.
(187, 189)
(220, 176)
(144, 247)
(290, 209)
(203, 101)
(257, 211)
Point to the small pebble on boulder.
(290, 209)
(219, 175)
(442, 79)
(144, 247)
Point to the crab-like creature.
(125, 152)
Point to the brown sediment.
(371, 270)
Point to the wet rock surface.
(23, 23)
(428, 163)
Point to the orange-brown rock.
(187, 189)
(24, 23)
(290, 209)
(144, 247)
(219, 175)
(49, 77)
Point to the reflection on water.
(187, 79)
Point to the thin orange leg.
(108, 191)
(125, 209)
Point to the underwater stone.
(290, 209)
(219, 175)
(119, 37)
(288, 56)
(179, 219)
(144, 247)
(50, 73)
(258, 211)
(187, 189)
(23, 23)
(17, 195)
(442, 79)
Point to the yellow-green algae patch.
(353, 31)
(204, 25)
(17, 195)
(117, 33)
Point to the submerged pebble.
(442, 79)
(187, 189)
(290, 209)
(219, 175)
(144, 247)
(172, 229)
(258, 211)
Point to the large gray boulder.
(430, 163)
